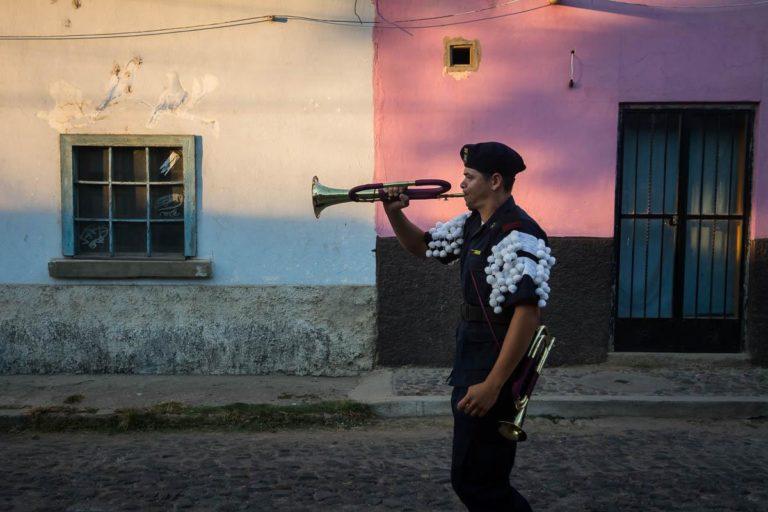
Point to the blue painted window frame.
(190, 163)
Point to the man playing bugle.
(504, 259)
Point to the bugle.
(523, 381)
(323, 197)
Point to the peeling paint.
(72, 111)
(120, 83)
(175, 100)
(456, 75)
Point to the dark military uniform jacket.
(477, 347)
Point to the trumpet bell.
(523, 382)
(511, 431)
(323, 197)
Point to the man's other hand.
(479, 399)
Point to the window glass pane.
(91, 164)
(639, 269)
(129, 164)
(673, 163)
(643, 174)
(704, 283)
(167, 202)
(130, 202)
(657, 184)
(667, 269)
(167, 238)
(724, 161)
(709, 169)
(691, 267)
(695, 164)
(92, 238)
(130, 238)
(166, 164)
(625, 269)
(653, 269)
(629, 167)
(92, 201)
(719, 255)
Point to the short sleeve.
(520, 271)
(525, 294)
(445, 239)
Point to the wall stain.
(72, 111)
(178, 101)
(120, 83)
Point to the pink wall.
(519, 95)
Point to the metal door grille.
(680, 228)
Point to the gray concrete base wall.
(757, 302)
(579, 313)
(418, 307)
(305, 330)
(419, 299)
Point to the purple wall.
(519, 95)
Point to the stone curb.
(564, 406)
(680, 407)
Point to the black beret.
(491, 157)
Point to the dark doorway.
(682, 218)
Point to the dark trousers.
(482, 459)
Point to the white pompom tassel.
(505, 268)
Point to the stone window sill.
(70, 268)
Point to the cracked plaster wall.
(319, 330)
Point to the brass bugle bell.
(323, 197)
(523, 381)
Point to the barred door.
(682, 214)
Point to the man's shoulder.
(519, 220)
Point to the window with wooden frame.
(128, 207)
(128, 197)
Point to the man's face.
(476, 188)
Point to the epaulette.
(447, 237)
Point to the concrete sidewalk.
(641, 385)
(669, 386)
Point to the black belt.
(472, 313)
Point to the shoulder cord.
(482, 306)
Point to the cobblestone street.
(597, 465)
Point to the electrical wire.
(379, 25)
(267, 18)
(396, 24)
(142, 33)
